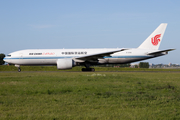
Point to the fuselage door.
(20, 57)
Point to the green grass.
(86, 95)
(77, 68)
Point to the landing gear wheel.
(83, 69)
(19, 69)
(88, 69)
(92, 69)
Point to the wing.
(159, 52)
(95, 57)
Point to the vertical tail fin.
(154, 40)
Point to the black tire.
(88, 69)
(19, 69)
(83, 69)
(92, 69)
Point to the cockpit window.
(8, 55)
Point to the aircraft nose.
(6, 60)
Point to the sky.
(56, 24)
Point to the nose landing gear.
(18, 66)
(19, 69)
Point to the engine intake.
(63, 64)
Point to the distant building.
(170, 64)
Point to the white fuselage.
(50, 56)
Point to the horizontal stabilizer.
(161, 51)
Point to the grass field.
(78, 68)
(86, 95)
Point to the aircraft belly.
(122, 60)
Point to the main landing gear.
(88, 68)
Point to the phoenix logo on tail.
(155, 39)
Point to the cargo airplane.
(68, 58)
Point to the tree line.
(1, 58)
(143, 65)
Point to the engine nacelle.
(63, 64)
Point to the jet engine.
(63, 64)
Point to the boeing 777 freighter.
(68, 58)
